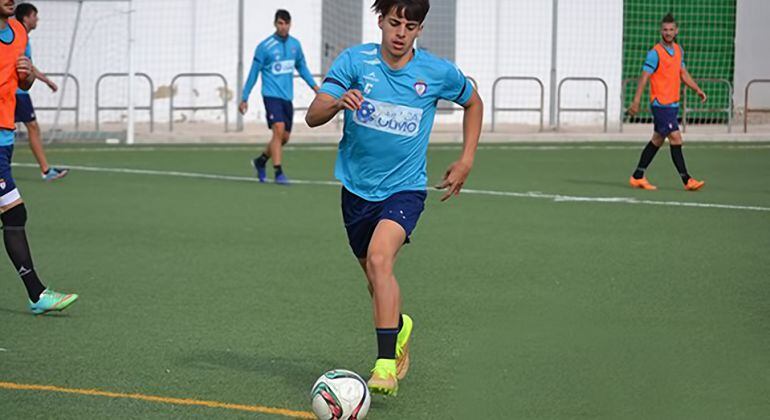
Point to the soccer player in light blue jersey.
(277, 57)
(389, 93)
(26, 14)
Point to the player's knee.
(14, 218)
(378, 262)
(285, 138)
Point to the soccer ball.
(340, 395)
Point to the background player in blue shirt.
(389, 93)
(277, 57)
(26, 13)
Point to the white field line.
(531, 194)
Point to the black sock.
(17, 247)
(278, 170)
(262, 160)
(678, 158)
(386, 343)
(400, 322)
(644, 161)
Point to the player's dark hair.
(415, 10)
(282, 14)
(669, 18)
(23, 10)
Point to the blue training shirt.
(6, 36)
(277, 58)
(651, 65)
(28, 53)
(384, 144)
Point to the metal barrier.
(173, 108)
(495, 109)
(451, 107)
(728, 110)
(149, 107)
(746, 108)
(76, 108)
(603, 110)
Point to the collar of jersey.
(402, 69)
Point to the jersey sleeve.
(650, 62)
(302, 68)
(456, 87)
(340, 77)
(28, 51)
(256, 66)
(681, 52)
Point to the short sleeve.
(456, 87)
(340, 77)
(650, 62)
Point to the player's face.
(6, 8)
(31, 21)
(398, 33)
(282, 28)
(669, 31)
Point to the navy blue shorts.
(279, 110)
(665, 120)
(361, 216)
(8, 191)
(25, 112)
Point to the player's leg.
(36, 145)
(13, 214)
(385, 243)
(276, 151)
(675, 142)
(638, 178)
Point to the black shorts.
(25, 112)
(362, 216)
(665, 119)
(279, 110)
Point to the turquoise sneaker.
(52, 301)
(55, 173)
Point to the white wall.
(752, 60)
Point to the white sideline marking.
(531, 194)
(328, 148)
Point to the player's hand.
(52, 86)
(243, 107)
(454, 178)
(23, 67)
(633, 109)
(351, 100)
(703, 96)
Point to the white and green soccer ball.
(340, 395)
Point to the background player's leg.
(274, 148)
(648, 154)
(36, 145)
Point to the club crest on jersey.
(420, 87)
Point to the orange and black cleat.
(694, 185)
(641, 183)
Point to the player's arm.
(304, 71)
(25, 71)
(43, 78)
(643, 79)
(457, 173)
(256, 65)
(324, 107)
(690, 82)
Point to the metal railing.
(540, 109)
(75, 108)
(149, 107)
(728, 110)
(173, 108)
(603, 110)
(450, 107)
(746, 109)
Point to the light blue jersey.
(384, 144)
(651, 65)
(277, 58)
